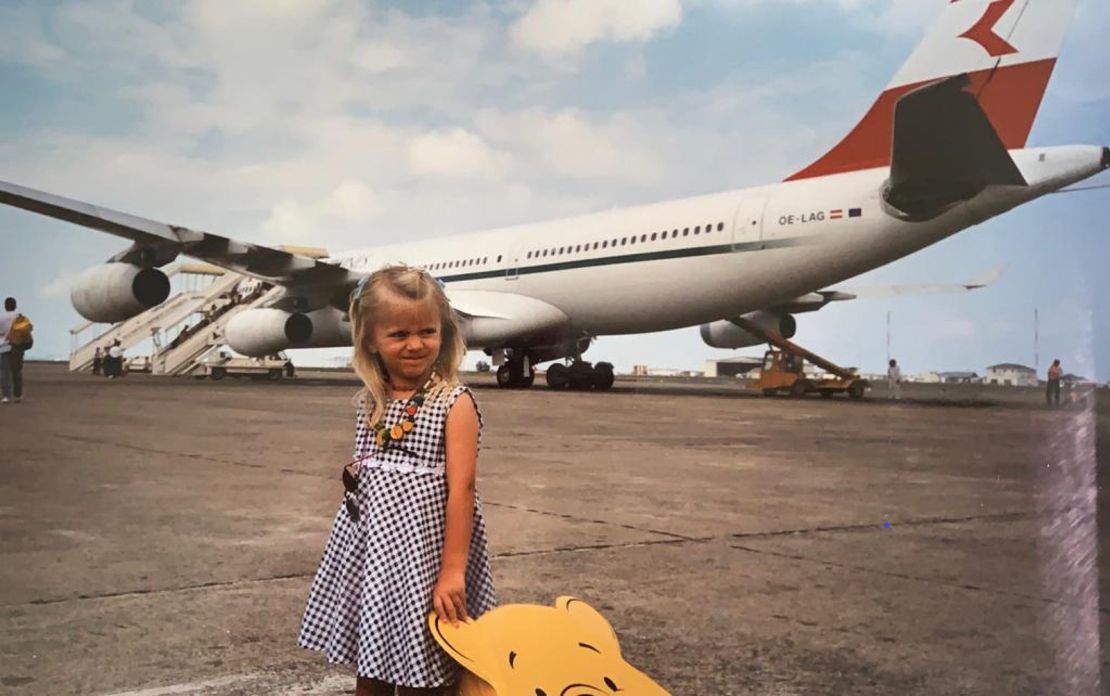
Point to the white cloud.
(350, 203)
(456, 153)
(59, 285)
(560, 27)
(573, 143)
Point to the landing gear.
(580, 376)
(516, 372)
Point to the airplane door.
(747, 228)
(512, 270)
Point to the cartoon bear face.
(532, 650)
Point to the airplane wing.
(159, 243)
(813, 301)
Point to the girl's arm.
(461, 446)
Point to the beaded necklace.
(384, 436)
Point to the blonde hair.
(368, 303)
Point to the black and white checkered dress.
(370, 599)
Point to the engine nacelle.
(261, 332)
(724, 334)
(330, 329)
(113, 292)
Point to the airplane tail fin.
(1007, 49)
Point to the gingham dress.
(370, 598)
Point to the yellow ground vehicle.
(783, 372)
(784, 369)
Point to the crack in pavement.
(567, 516)
(297, 576)
(872, 526)
(917, 578)
(233, 462)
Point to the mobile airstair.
(183, 355)
(150, 324)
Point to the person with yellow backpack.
(15, 340)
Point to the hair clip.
(357, 292)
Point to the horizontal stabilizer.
(945, 150)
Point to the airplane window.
(605, 244)
(709, 228)
(720, 226)
(643, 238)
(577, 248)
(499, 258)
(686, 232)
(631, 240)
(595, 245)
(485, 259)
(697, 230)
(654, 235)
(674, 233)
(528, 255)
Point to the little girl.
(409, 537)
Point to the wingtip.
(988, 278)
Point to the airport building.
(1011, 375)
(734, 366)
(949, 378)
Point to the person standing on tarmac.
(894, 379)
(9, 371)
(1052, 391)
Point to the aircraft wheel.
(504, 376)
(581, 375)
(558, 376)
(603, 376)
(218, 373)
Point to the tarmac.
(158, 535)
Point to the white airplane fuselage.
(656, 267)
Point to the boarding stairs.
(776, 339)
(183, 357)
(150, 323)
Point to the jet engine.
(725, 334)
(259, 332)
(113, 292)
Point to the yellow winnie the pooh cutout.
(531, 650)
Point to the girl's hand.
(449, 596)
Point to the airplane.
(940, 150)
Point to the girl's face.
(407, 337)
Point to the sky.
(346, 123)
